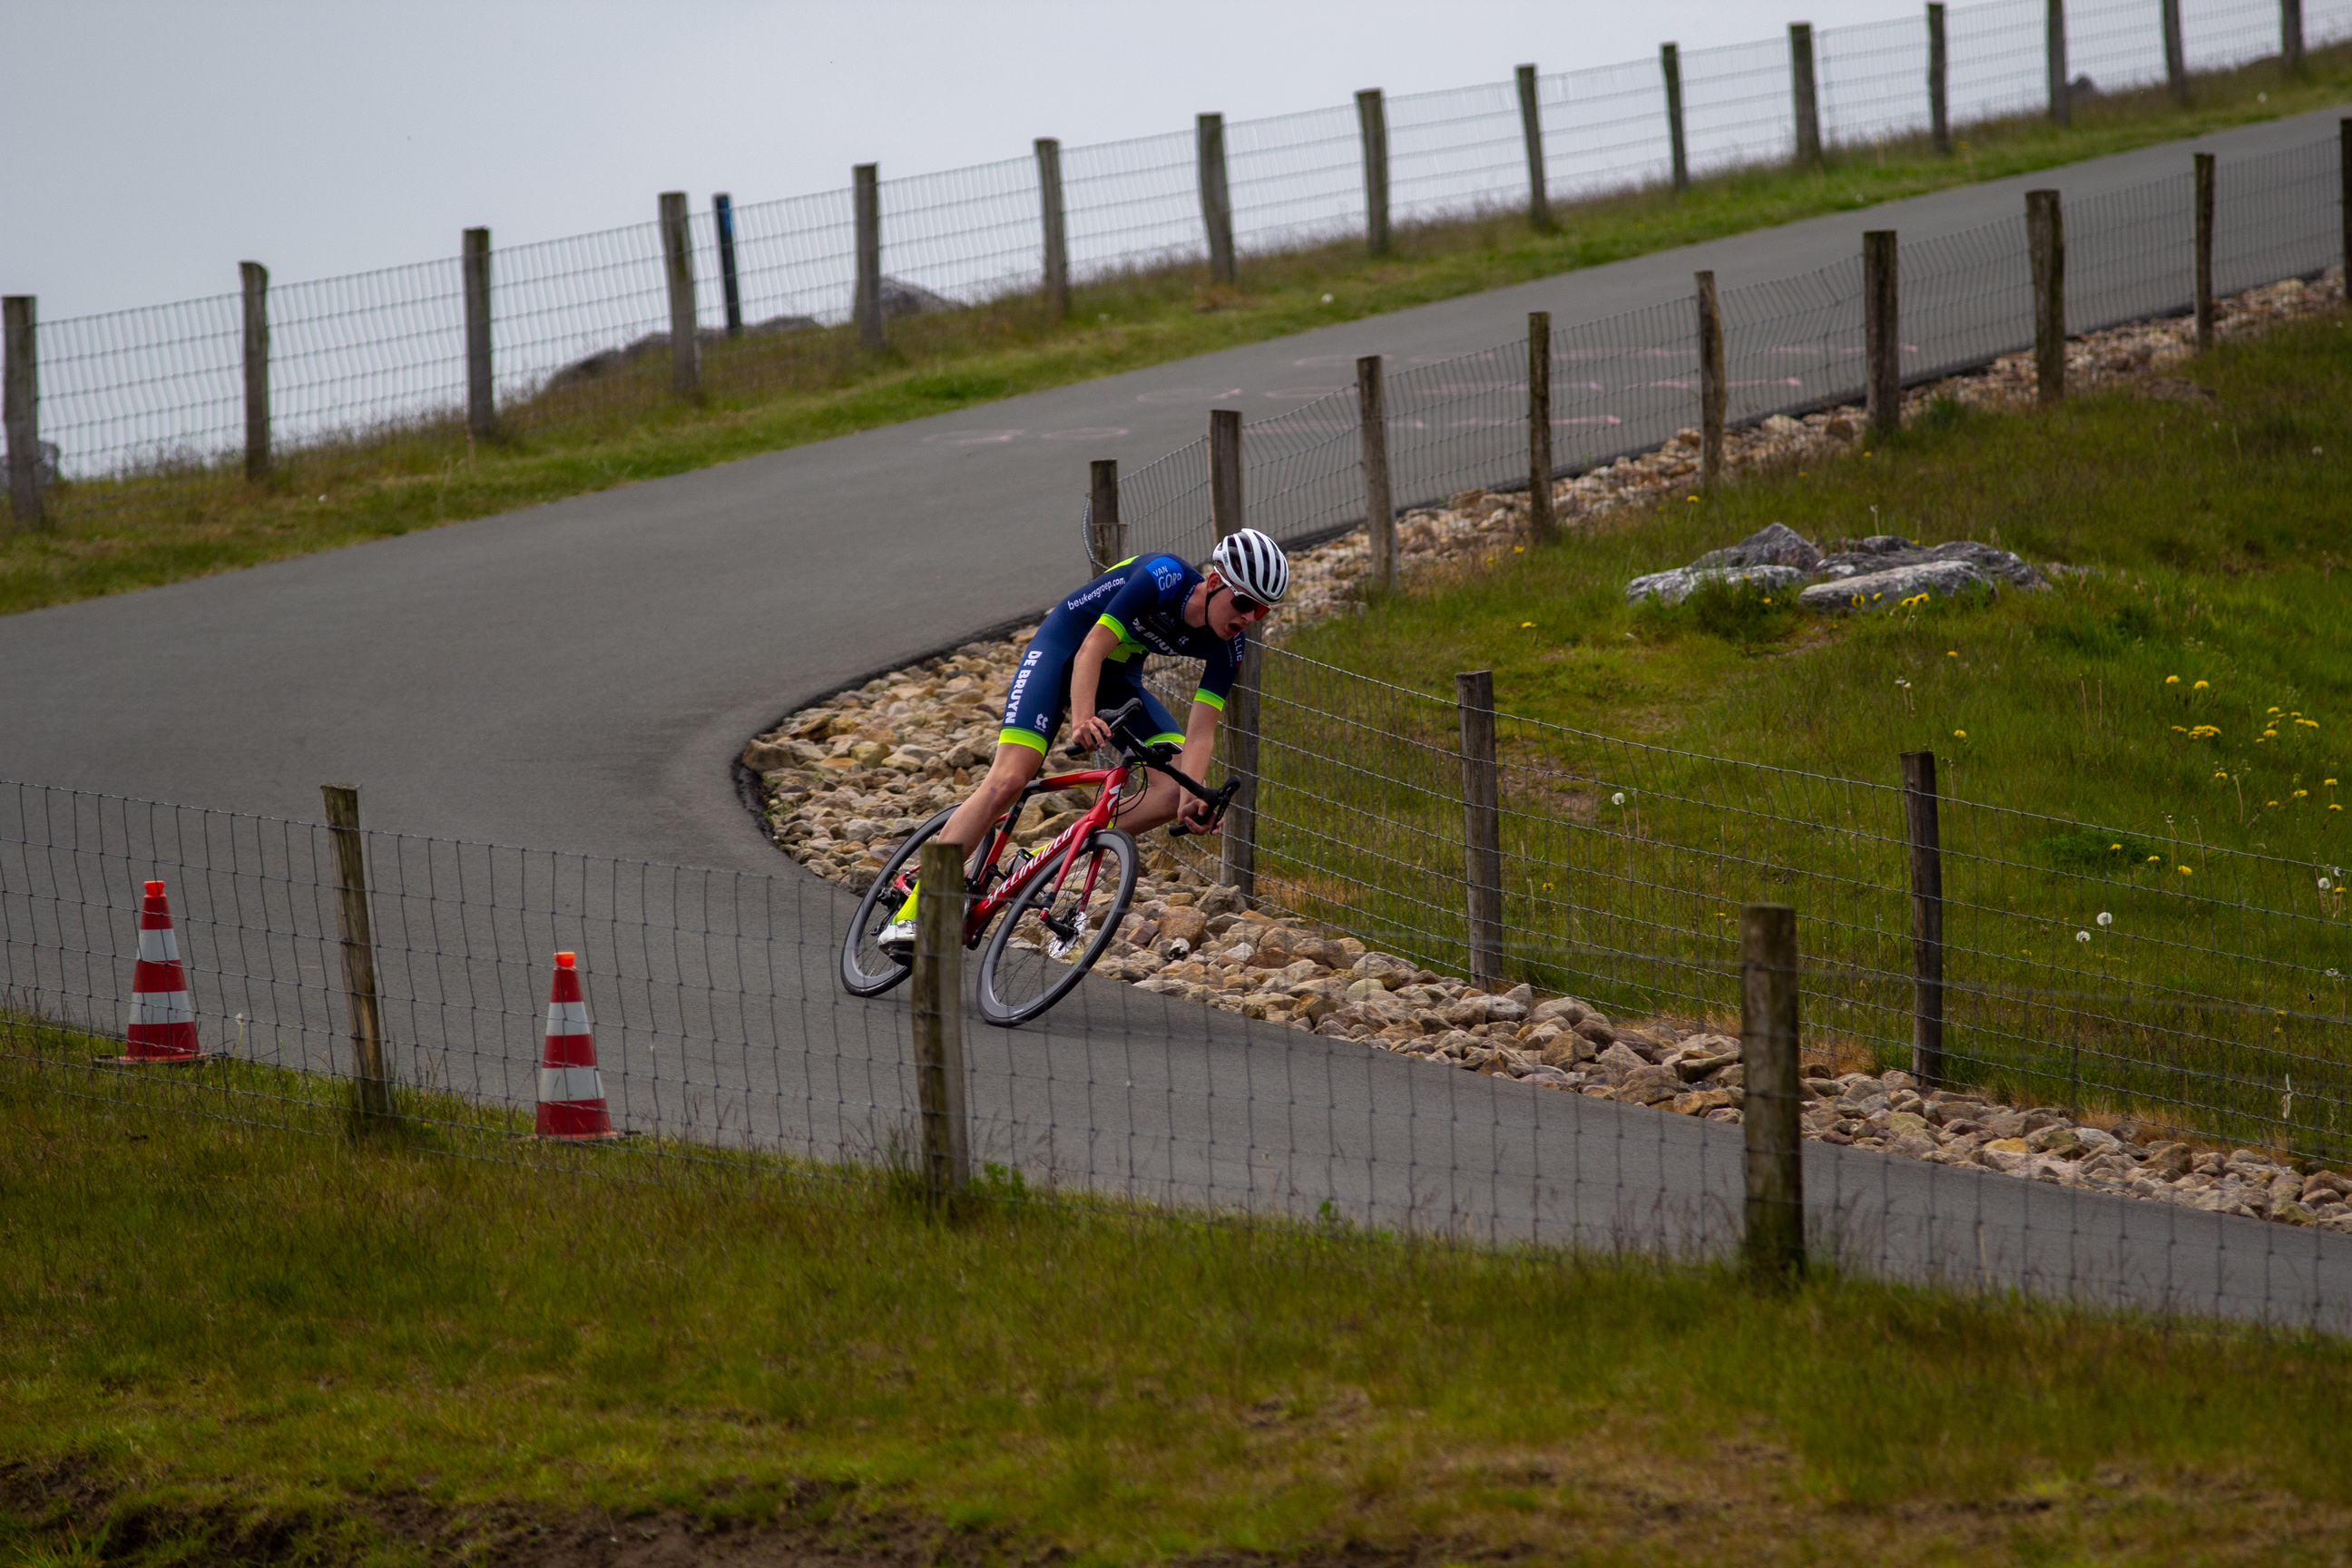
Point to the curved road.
(582, 674)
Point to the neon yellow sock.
(907, 910)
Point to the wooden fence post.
(1105, 535)
(1714, 395)
(1775, 1243)
(731, 288)
(1807, 99)
(1881, 333)
(2045, 237)
(938, 1017)
(2343, 194)
(1372, 123)
(1227, 514)
(1057, 233)
(1379, 507)
(2053, 46)
(2290, 37)
(1920, 827)
(2176, 56)
(373, 1085)
(1531, 132)
(255, 278)
(1670, 61)
(1216, 199)
(22, 399)
(1939, 115)
(1541, 527)
(1482, 827)
(2204, 165)
(677, 265)
(865, 191)
(481, 408)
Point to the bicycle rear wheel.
(1051, 937)
(865, 969)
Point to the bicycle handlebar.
(1159, 758)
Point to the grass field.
(2162, 738)
(227, 1342)
(764, 394)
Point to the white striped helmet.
(1254, 566)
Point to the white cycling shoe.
(897, 941)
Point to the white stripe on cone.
(163, 1007)
(569, 1084)
(158, 947)
(567, 1017)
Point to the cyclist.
(1087, 656)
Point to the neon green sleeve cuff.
(1112, 622)
(1211, 698)
(1009, 736)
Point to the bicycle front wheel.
(1052, 936)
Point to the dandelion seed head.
(2106, 919)
(2082, 936)
(1617, 799)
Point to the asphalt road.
(582, 674)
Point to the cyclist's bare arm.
(1163, 798)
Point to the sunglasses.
(1244, 604)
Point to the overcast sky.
(152, 146)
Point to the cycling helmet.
(1254, 565)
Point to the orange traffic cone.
(162, 1014)
(571, 1093)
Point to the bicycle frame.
(1063, 847)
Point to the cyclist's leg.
(1033, 710)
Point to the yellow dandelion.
(2269, 734)
(2269, 802)
(2114, 845)
(2330, 782)
(2332, 807)
(2172, 681)
(1518, 550)
(2156, 856)
(2182, 728)
(1959, 734)
(2200, 686)
(1951, 653)
(1690, 498)
(1525, 625)
(2184, 870)
(2301, 793)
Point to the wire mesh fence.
(144, 408)
(2179, 986)
(720, 1035)
(1627, 382)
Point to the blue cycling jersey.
(1142, 600)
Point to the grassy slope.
(220, 1341)
(2215, 532)
(330, 499)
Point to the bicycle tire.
(1007, 994)
(865, 969)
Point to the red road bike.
(1062, 905)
